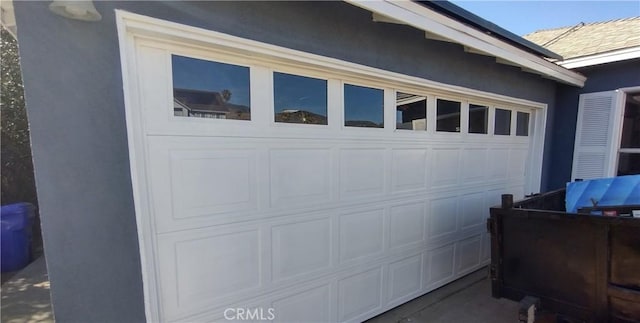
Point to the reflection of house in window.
(411, 111)
(207, 104)
(300, 116)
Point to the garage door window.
(448, 116)
(503, 122)
(209, 89)
(411, 112)
(478, 118)
(363, 106)
(299, 99)
(522, 124)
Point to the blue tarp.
(621, 190)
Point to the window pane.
(448, 116)
(299, 99)
(363, 106)
(522, 124)
(503, 122)
(631, 125)
(411, 111)
(628, 164)
(208, 89)
(478, 118)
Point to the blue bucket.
(15, 232)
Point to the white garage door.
(268, 187)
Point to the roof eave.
(474, 20)
(435, 23)
(601, 58)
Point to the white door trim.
(133, 27)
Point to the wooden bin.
(581, 266)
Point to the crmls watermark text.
(250, 314)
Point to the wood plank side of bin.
(566, 259)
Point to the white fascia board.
(602, 58)
(420, 17)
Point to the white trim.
(423, 18)
(158, 29)
(134, 29)
(128, 61)
(602, 58)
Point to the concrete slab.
(26, 296)
(465, 300)
(26, 299)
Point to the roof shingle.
(589, 39)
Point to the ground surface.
(26, 299)
(25, 295)
(467, 300)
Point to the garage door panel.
(517, 191)
(212, 182)
(405, 278)
(474, 165)
(406, 224)
(362, 173)
(312, 305)
(300, 177)
(473, 211)
(199, 182)
(359, 294)
(440, 265)
(442, 218)
(409, 170)
(517, 163)
(445, 169)
(468, 254)
(301, 248)
(485, 255)
(361, 234)
(493, 198)
(498, 163)
(199, 269)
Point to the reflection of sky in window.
(293, 92)
(197, 74)
(503, 122)
(522, 128)
(448, 108)
(363, 104)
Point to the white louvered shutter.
(598, 131)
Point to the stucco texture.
(75, 104)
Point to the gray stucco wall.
(75, 104)
(605, 77)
